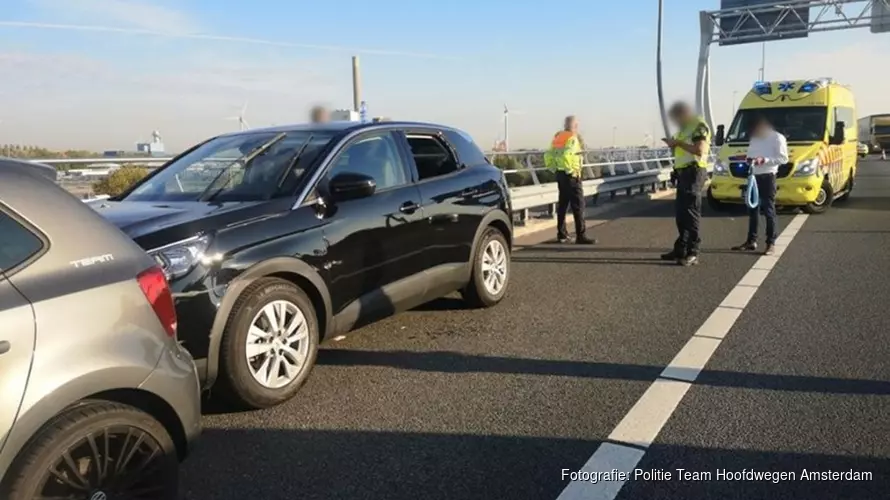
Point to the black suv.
(278, 238)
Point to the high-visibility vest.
(683, 158)
(564, 154)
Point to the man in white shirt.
(766, 152)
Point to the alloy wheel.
(115, 462)
(277, 344)
(494, 267)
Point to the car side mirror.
(720, 138)
(839, 136)
(351, 186)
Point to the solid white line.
(639, 428)
(719, 322)
(766, 262)
(739, 296)
(608, 456)
(688, 363)
(754, 277)
(649, 414)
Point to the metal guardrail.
(94, 199)
(148, 160)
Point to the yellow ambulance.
(818, 119)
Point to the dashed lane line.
(628, 442)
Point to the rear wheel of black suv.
(491, 270)
(269, 345)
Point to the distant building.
(153, 148)
(344, 115)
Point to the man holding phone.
(691, 147)
(766, 151)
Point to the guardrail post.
(528, 165)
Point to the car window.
(376, 156)
(432, 157)
(467, 150)
(18, 244)
(212, 169)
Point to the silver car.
(97, 398)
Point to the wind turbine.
(242, 123)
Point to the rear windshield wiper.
(244, 160)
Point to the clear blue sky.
(458, 62)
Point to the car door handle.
(4, 346)
(409, 207)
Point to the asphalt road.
(445, 402)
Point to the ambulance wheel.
(715, 204)
(823, 200)
(848, 188)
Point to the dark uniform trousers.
(690, 182)
(571, 192)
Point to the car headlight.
(807, 168)
(178, 259)
(720, 168)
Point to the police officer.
(564, 157)
(691, 146)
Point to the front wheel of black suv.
(491, 270)
(269, 345)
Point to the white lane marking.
(739, 296)
(639, 428)
(649, 414)
(754, 277)
(608, 457)
(688, 363)
(766, 262)
(719, 322)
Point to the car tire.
(70, 431)
(715, 204)
(240, 375)
(488, 287)
(818, 207)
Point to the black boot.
(672, 255)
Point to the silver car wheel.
(494, 267)
(277, 344)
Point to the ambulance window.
(846, 115)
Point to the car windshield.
(236, 168)
(882, 129)
(797, 124)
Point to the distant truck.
(874, 131)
